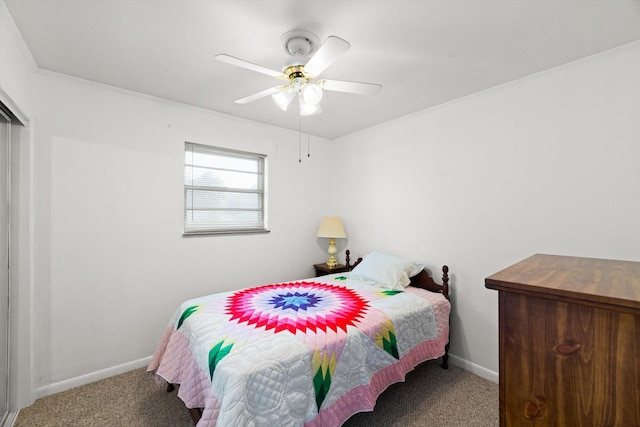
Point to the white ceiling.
(424, 52)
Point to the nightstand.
(323, 269)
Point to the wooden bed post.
(445, 281)
(348, 260)
(445, 292)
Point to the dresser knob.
(535, 408)
(568, 348)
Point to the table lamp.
(332, 228)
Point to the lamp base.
(331, 262)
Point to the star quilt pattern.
(297, 353)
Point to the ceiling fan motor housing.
(300, 45)
(295, 72)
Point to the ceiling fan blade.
(326, 55)
(350, 87)
(248, 65)
(256, 96)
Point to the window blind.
(224, 190)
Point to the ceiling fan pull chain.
(300, 140)
(308, 145)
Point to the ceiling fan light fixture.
(311, 94)
(283, 98)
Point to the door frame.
(7, 417)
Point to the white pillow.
(390, 271)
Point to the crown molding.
(5, 15)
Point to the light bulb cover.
(311, 94)
(283, 98)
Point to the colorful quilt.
(310, 352)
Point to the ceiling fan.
(308, 60)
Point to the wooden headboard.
(348, 258)
(425, 281)
(421, 280)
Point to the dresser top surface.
(600, 281)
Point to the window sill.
(224, 232)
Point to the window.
(224, 191)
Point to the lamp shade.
(331, 226)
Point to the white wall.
(111, 262)
(546, 164)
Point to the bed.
(308, 352)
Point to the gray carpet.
(430, 396)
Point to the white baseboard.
(473, 368)
(90, 377)
(125, 367)
(11, 418)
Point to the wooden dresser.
(569, 342)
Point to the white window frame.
(192, 228)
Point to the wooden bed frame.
(422, 280)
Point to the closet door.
(5, 129)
